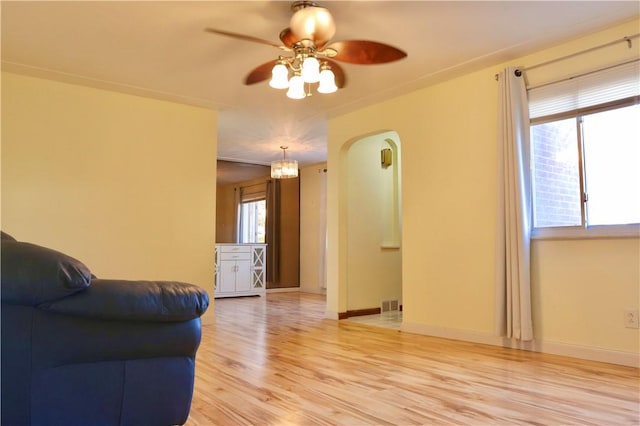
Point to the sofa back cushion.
(6, 237)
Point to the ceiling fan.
(311, 56)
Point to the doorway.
(253, 207)
(373, 231)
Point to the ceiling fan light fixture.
(307, 42)
(296, 87)
(310, 70)
(327, 80)
(279, 76)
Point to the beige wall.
(124, 183)
(581, 289)
(448, 134)
(312, 258)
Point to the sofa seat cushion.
(32, 274)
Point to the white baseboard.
(629, 359)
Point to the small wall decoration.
(386, 156)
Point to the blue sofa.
(77, 350)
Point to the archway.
(373, 223)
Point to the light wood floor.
(276, 360)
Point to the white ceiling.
(160, 49)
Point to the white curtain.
(513, 293)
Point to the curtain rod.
(626, 39)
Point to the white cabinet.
(234, 276)
(240, 270)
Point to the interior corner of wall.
(331, 314)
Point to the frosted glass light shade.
(284, 169)
(296, 88)
(310, 70)
(327, 82)
(279, 77)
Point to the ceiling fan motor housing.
(310, 22)
(297, 5)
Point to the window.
(585, 154)
(586, 169)
(253, 217)
(251, 213)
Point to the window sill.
(579, 233)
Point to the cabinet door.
(258, 259)
(243, 275)
(227, 276)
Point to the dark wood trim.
(358, 312)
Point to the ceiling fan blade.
(338, 72)
(321, 44)
(242, 37)
(287, 37)
(260, 73)
(365, 52)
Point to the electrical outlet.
(631, 318)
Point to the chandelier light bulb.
(279, 76)
(296, 87)
(327, 81)
(310, 70)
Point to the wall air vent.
(389, 305)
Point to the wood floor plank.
(276, 360)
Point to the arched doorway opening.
(373, 224)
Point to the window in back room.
(253, 217)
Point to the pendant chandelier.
(284, 169)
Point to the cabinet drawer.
(234, 249)
(235, 256)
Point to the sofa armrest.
(157, 301)
(32, 274)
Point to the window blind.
(594, 88)
(253, 192)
